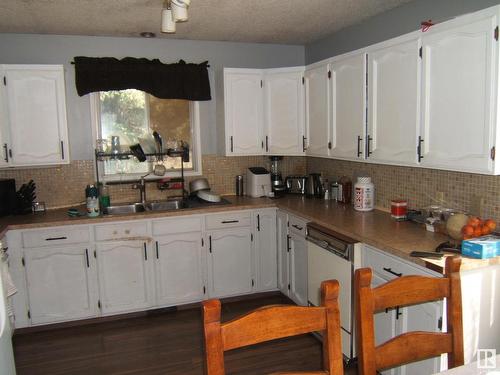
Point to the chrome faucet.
(141, 186)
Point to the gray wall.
(398, 21)
(55, 49)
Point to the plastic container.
(364, 194)
(399, 209)
(92, 195)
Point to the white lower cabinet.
(393, 322)
(125, 276)
(265, 249)
(292, 257)
(230, 261)
(61, 283)
(179, 269)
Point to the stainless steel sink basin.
(124, 209)
(165, 205)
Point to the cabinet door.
(124, 276)
(317, 114)
(284, 112)
(37, 115)
(61, 283)
(298, 269)
(422, 317)
(265, 241)
(393, 103)
(244, 121)
(458, 93)
(230, 262)
(283, 252)
(179, 269)
(4, 126)
(347, 105)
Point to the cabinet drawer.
(297, 225)
(389, 267)
(121, 230)
(229, 220)
(55, 236)
(177, 225)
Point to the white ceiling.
(261, 21)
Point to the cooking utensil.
(159, 144)
(208, 196)
(198, 184)
(425, 254)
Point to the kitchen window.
(132, 116)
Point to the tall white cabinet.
(394, 102)
(317, 110)
(284, 111)
(347, 106)
(33, 115)
(460, 91)
(243, 107)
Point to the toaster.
(296, 184)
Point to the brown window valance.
(166, 81)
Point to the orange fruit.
(485, 229)
(467, 230)
(490, 224)
(474, 221)
(477, 232)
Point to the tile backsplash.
(419, 186)
(64, 186)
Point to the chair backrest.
(274, 322)
(410, 346)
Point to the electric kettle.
(313, 185)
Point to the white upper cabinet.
(35, 104)
(459, 95)
(243, 105)
(284, 111)
(347, 106)
(317, 113)
(393, 102)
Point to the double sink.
(133, 208)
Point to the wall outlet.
(440, 196)
(476, 205)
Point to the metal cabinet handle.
(287, 243)
(87, 257)
(232, 144)
(229, 221)
(297, 227)
(368, 152)
(267, 143)
(157, 251)
(359, 146)
(392, 272)
(419, 148)
(56, 238)
(304, 148)
(62, 150)
(210, 244)
(5, 147)
(258, 222)
(145, 252)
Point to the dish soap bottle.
(104, 199)
(92, 195)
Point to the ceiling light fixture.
(174, 11)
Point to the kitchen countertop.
(375, 228)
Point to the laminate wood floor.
(164, 343)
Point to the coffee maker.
(277, 184)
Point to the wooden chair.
(411, 346)
(274, 322)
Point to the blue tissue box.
(482, 247)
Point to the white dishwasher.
(330, 255)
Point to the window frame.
(194, 112)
